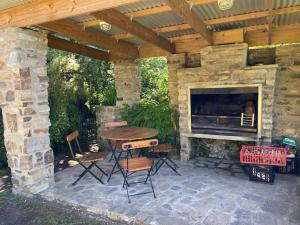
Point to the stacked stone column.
(128, 88)
(24, 103)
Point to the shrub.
(150, 113)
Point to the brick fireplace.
(212, 97)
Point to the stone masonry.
(128, 87)
(24, 103)
(287, 93)
(223, 65)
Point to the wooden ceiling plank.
(92, 37)
(42, 11)
(182, 9)
(64, 45)
(150, 11)
(253, 15)
(270, 19)
(122, 21)
(184, 26)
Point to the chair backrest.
(73, 137)
(139, 144)
(109, 125)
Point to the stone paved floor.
(205, 194)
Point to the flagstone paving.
(208, 193)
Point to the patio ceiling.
(145, 28)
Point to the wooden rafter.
(254, 15)
(182, 8)
(158, 30)
(254, 36)
(270, 19)
(122, 21)
(42, 11)
(247, 16)
(92, 37)
(150, 11)
(64, 45)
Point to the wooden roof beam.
(150, 11)
(182, 9)
(270, 19)
(64, 45)
(247, 16)
(122, 21)
(254, 15)
(118, 48)
(42, 11)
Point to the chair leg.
(97, 178)
(175, 165)
(115, 165)
(83, 173)
(151, 184)
(99, 168)
(173, 168)
(158, 167)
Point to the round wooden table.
(123, 134)
(129, 133)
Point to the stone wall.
(127, 82)
(175, 62)
(223, 65)
(287, 93)
(128, 88)
(24, 103)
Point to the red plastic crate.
(263, 155)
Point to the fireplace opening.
(224, 111)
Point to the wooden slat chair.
(110, 125)
(130, 166)
(90, 157)
(163, 152)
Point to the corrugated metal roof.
(212, 11)
(135, 41)
(238, 24)
(5, 4)
(178, 33)
(160, 20)
(140, 5)
(287, 19)
(285, 3)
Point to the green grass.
(19, 210)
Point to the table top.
(129, 133)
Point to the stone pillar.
(128, 88)
(186, 148)
(24, 103)
(175, 62)
(127, 82)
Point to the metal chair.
(163, 151)
(116, 145)
(90, 157)
(130, 166)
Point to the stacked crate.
(261, 161)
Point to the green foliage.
(76, 85)
(150, 113)
(3, 160)
(154, 74)
(154, 109)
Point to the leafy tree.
(154, 109)
(154, 74)
(76, 85)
